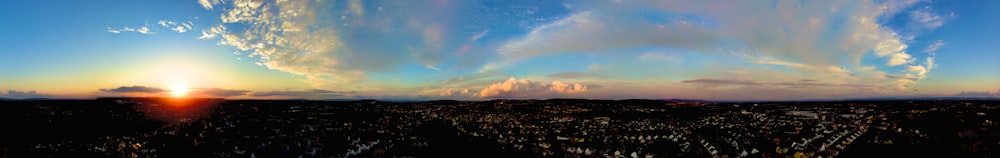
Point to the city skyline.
(482, 50)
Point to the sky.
(520, 49)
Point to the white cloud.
(165, 23)
(479, 35)
(899, 59)
(298, 37)
(926, 18)
(179, 27)
(144, 30)
(432, 67)
(208, 4)
(213, 31)
(930, 63)
(933, 47)
(116, 31)
(560, 87)
(801, 66)
(284, 36)
(914, 73)
(141, 30)
(891, 46)
(520, 88)
(920, 71)
(464, 93)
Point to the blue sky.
(451, 49)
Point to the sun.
(178, 90)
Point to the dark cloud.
(567, 75)
(305, 93)
(133, 89)
(26, 94)
(807, 80)
(218, 92)
(974, 94)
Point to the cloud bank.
(515, 88)
(133, 89)
(25, 94)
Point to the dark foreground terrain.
(163, 127)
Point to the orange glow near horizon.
(179, 90)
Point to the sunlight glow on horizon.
(179, 90)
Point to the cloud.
(820, 37)
(818, 32)
(217, 92)
(141, 30)
(712, 82)
(115, 31)
(464, 93)
(208, 4)
(165, 23)
(916, 73)
(472, 77)
(286, 36)
(305, 93)
(921, 71)
(569, 75)
(831, 69)
(133, 89)
(144, 30)
(975, 94)
(578, 33)
(212, 32)
(595, 67)
(26, 94)
(462, 82)
(432, 67)
(298, 37)
(179, 27)
(933, 47)
(514, 88)
(560, 87)
(479, 35)
(926, 18)
(899, 59)
(929, 61)
(659, 57)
